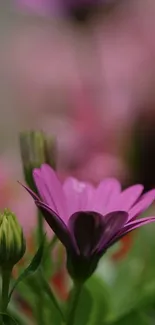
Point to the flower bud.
(50, 151)
(12, 242)
(36, 149)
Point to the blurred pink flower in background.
(13, 197)
(83, 147)
(113, 60)
(37, 6)
(86, 86)
(100, 166)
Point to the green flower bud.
(50, 151)
(12, 242)
(36, 149)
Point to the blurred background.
(83, 71)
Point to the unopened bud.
(36, 148)
(12, 242)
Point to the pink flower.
(88, 220)
(11, 196)
(99, 166)
(37, 6)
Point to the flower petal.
(34, 196)
(113, 222)
(127, 198)
(145, 201)
(77, 194)
(56, 224)
(87, 228)
(135, 224)
(107, 191)
(50, 189)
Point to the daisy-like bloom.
(88, 220)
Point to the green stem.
(51, 295)
(53, 242)
(40, 296)
(40, 227)
(6, 275)
(39, 311)
(74, 302)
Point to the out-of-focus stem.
(40, 298)
(73, 303)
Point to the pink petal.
(51, 190)
(77, 194)
(86, 199)
(128, 197)
(135, 224)
(145, 201)
(107, 191)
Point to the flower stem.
(74, 302)
(40, 227)
(6, 275)
(40, 297)
(53, 242)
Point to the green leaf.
(8, 320)
(51, 315)
(101, 300)
(84, 307)
(134, 318)
(33, 266)
(47, 289)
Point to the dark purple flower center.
(87, 228)
(92, 231)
